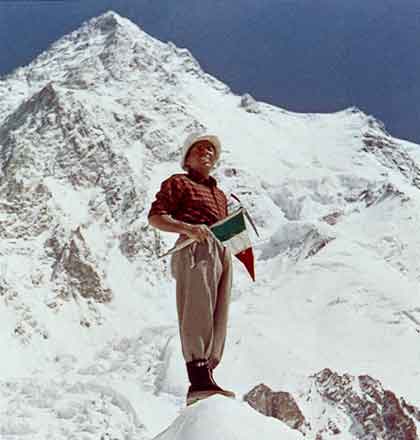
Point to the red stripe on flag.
(247, 258)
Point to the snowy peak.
(113, 45)
(106, 55)
(101, 49)
(93, 36)
(109, 22)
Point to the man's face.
(201, 157)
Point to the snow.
(226, 419)
(74, 368)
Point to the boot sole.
(201, 395)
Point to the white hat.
(193, 138)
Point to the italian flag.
(232, 232)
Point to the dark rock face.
(280, 405)
(75, 264)
(249, 104)
(83, 275)
(333, 218)
(342, 405)
(412, 410)
(389, 154)
(26, 206)
(373, 196)
(307, 241)
(318, 245)
(140, 240)
(373, 411)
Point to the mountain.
(88, 334)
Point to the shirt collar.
(199, 178)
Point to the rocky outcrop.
(249, 104)
(372, 196)
(297, 240)
(317, 243)
(142, 240)
(375, 413)
(340, 405)
(280, 405)
(76, 267)
(391, 155)
(332, 218)
(26, 210)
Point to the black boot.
(202, 382)
(223, 391)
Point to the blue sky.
(302, 55)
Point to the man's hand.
(168, 224)
(198, 232)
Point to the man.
(188, 204)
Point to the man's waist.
(197, 220)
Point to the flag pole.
(178, 247)
(247, 215)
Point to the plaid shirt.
(190, 198)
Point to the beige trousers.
(203, 274)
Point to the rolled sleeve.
(168, 198)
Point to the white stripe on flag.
(238, 243)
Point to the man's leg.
(203, 274)
(221, 312)
(198, 271)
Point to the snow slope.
(222, 418)
(88, 333)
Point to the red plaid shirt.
(190, 198)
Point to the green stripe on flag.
(230, 227)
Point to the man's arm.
(168, 224)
